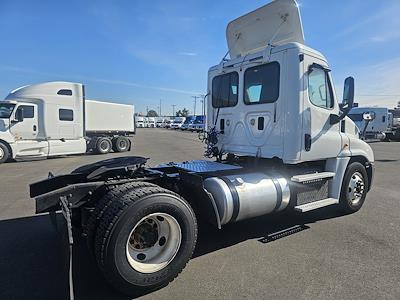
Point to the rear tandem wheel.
(144, 239)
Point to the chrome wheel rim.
(104, 146)
(356, 188)
(1, 153)
(123, 144)
(153, 243)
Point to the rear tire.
(113, 193)
(103, 145)
(354, 188)
(120, 144)
(168, 241)
(4, 153)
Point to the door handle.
(307, 142)
(34, 128)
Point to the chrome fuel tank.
(243, 196)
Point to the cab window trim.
(236, 96)
(278, 84)
(31, 109)
(327, 82)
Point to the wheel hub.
(153, 243)
(356, 188)
(145, 236)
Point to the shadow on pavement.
(34, 259)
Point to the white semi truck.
(140, 122)
(54, 118)
(280, 140)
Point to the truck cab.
(177, 122)
(37, 120)
(140, 122)
(189, 120)
(151, 122)
(275, 97)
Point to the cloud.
(378, 85)
(133, 84)
(376, 28)
(101, 80)
(188, 53)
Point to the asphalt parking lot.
(332, 256)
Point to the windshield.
(6, 110)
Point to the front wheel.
(144, 239)
(354, 188)
(4, 153)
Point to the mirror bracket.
(334, 119)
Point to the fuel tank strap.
(235, 198)
(278, 193)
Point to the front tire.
(354, 188)
(4, 153)
(144, 239)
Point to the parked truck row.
(55, 118)
(190, 123)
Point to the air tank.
(243, 196)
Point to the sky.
(142, 52)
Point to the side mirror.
(348, 101)
(19, 115)
(369, 116)
(348, 94)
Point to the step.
(316, 204)
(312, 177)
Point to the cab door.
(27, 129)
(321, 139)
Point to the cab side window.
(261, 84)
(225, 90)
(28, 111)
(319, 88)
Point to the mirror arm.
(334, 119)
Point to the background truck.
(177, 122)
(385, 124)
(151, 122)
(139, 122)
(280, 142)
(197, 124)
(54, 118)
(160, 121)
(189, 120)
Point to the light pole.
(173, 110)
(195, 100)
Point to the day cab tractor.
(280, 140)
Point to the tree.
(152, 113)
(182, 113)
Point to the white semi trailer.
(54, 118)
(280, 140)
